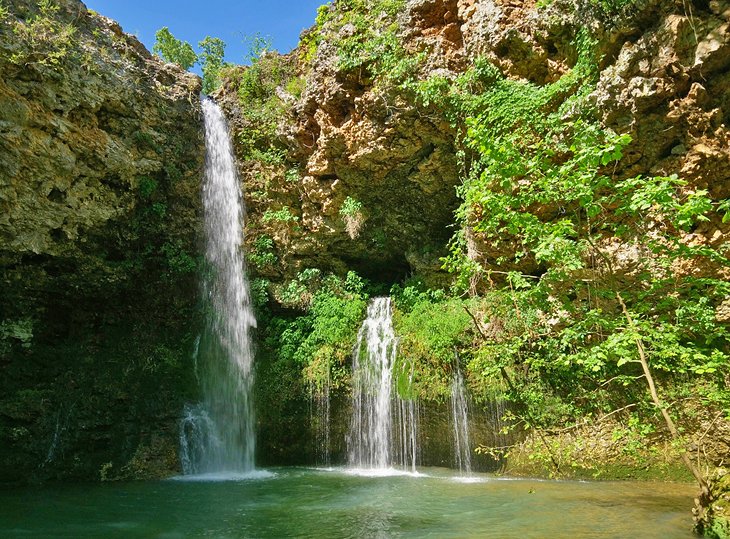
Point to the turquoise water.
(294, 502)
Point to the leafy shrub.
(320, 341)
(47, 42)
(284, 215)
(211, 60)
(539, 179)
(262, 254)
(432, 331)
(351, 213)
(174, 50)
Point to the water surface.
(336, 503)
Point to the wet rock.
(101, 157)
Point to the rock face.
(101, 157)
(713, 520)
(346, 139)
(663, 80)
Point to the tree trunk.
(655, 397)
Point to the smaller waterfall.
(460, 423)
(63, 420)
(406, 444)
(384, 427)
(319, 420)
(197, 438)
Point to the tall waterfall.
(460, 424)
(384, 427)
(218, 433)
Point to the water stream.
(217, 434)
(384, 427)
(319, 419)
(460, 424)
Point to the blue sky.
(230, 20)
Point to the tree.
(171, 49)
(211, 59)
(595, 264)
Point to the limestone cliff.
(101, 157)
(348, 134)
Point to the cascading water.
(379, 438)
(319, 419)
(406, 448)
(460, 424)
(217, 434)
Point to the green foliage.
(159, 209)
(261, 105)
(47, 42)
(432, 328)
(292, 175)
(15, 332)
(663, 195)
(350, 207)
(146, 141)
(352, 215)
(177, 259)
(147, 187)
(295, 87)
(367, 40)
(174, 50)
(319, 342)
(723, 207)
(262, 255)
(284, 215)
(257, 47)
(537, 183)
(612, 7)
(298, 292)
(211, 60)
(311, 39)
(260, 293)
(604, 8)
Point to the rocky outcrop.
(663, 80)
(101, 156)
(712, 519)
(347, 138)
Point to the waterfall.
(383, 430)
(218, 434)
(406, 443)
(319, 419)
(460, 423)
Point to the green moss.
(432, 331)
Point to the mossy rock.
(712, 516)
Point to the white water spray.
(379, 437)
(460, 424)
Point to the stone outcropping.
(663, 80)
(101, 157)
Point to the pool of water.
(334, 503)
